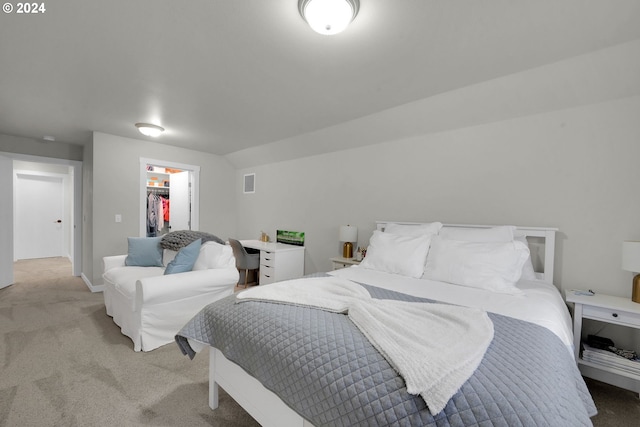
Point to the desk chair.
(245, 261)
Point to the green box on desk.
(290, 237)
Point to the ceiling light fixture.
(328, 16)
(149, 130)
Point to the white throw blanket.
(434, 347)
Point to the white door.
(179, 201)
(6, 221)
(39, 230)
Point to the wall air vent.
(249, 183)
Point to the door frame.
(75, 173)
(195, 190)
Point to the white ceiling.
(226, 75)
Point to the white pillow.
(494, 266)
(494, 234)
(413, 230)
(398, 254)
(528, 273)
(214, 255)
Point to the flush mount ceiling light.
(149, 130)
(328, 16)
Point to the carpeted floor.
(63, 362)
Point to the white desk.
(278, 261)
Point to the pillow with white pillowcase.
(214, 255)
(494, 266)
(397, 254)
(528, 273)
(503, 233)
(413, 229)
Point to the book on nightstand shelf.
(610, 359)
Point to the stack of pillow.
(487, 258)
(197, 255)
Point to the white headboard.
(542, 243)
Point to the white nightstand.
(609, 309)
(339, 262)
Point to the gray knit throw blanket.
(179, 239)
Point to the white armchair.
(151, 307)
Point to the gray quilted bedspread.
(321, 365)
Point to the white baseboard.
(92, 288)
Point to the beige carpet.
(63, 362)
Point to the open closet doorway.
(169, 197)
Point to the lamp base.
(347, 250)
(635, 295)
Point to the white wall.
(573, 169)
(551, 146)
(40, 148)
(6, 219)
(115, 189)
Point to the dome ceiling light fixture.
(148, 129)
(328, 16)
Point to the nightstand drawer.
(611, 315)
(339, 265)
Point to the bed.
(295, 365)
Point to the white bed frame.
(265, 406)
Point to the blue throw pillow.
(144, 252)
(185, 258)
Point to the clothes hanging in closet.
(157, 213)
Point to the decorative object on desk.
(631, 262)
(264, 237)
(348, 235)
(290, 237)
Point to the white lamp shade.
(631, 256)
(328, 16)
(348, 233)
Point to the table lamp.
(631, 262)
(348, 235)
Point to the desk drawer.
(267, 258)
(266, 275)
(611, 315)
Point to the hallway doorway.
(73, 214)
